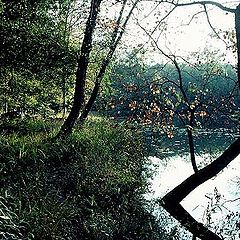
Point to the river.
(216, 203)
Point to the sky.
(196, 35)
(182, 36)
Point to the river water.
(216, 203)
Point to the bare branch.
(163, 19)
(203, 3)
(192, 18)
(211, 26)
(152, 10)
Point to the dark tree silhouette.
(171, 201)
(83, 62)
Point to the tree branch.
(171, 201)
(211, 26)
(203, 3)
(206, 173)
(115, 39)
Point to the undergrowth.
(87, 186)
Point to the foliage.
(36, 56)
(151, 94)
(91, 184)
(30, 36)
(27, 126)
(88, 186)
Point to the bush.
(88, 186)
(26, 126)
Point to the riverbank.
(89, 186)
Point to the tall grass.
(88, 186)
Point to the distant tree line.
(150, 94)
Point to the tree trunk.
(64, 95)
(190, 140)
(90, 103)
(237, 26)
(83, 62)
(192, 150)
(115, 39)
(171, 201)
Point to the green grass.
(87, 186)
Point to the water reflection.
(205, 141)
(216, 203)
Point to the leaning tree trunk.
(171, 201)
(83, 62)
(237, 27)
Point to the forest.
(109, 132)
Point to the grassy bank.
(89, 186)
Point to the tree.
(171, 201)
(235, 11)
(83, 63)
(33, 52)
